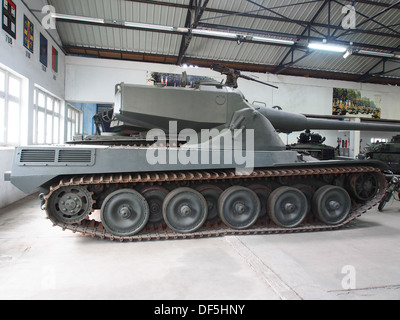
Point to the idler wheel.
(287, 207)
(70, 204)
(185, 210)
(155, 197)
(125, 213)
(331, 204)
(364, 186)
(211, 194)
(239, 207)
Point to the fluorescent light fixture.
(220, 34)
(149, 26)
(378, 54)
(348, 54)
(212, 33)
(273, 40)
(327, 47)
(76, 18)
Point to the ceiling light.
(327, 47)
(76, 18)
(148, 26)
(348, 54)
(376, 53)
(220, 34)
(213, 33)
(273, 40)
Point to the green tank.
(387, 152)
(313, 145)
(196, 162)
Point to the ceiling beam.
(369, 74)
(170, 59)
(185, 6)
(391, 7)
(285, 18)
(305, 38)
(195, 13)
(372, 3)
(282, 66)
(270, 18)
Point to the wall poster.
(43, 50)
(352, 103)
(9, 17)
(54, 55)
(28, 34)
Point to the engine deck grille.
(82, 156)
(56, 157)
(38, 156)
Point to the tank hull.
(35, 167)
(97, 178)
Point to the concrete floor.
(38, 261)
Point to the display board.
(353, 103)
(43, 50)
(28, 34)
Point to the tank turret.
(313, 145)
(216, 106)
(387, 152)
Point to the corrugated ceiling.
(378, 30)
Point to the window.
(377, 140)
(74, 122)
(46, 118)
(10, 108)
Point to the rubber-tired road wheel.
(185, 210)
(331, 205)
(125, 213)
(287, 207)
(239, 207)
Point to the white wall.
(93, 80)
(13, 57)
(9, 193)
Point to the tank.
(386, 152)
(313, 145)
(193, 163)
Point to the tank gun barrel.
(288, 122)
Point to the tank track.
(92, 228)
